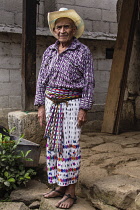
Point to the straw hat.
(69, 13)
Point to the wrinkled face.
(64, 30)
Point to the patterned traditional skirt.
(63, 168)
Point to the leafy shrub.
(12, 170)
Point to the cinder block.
(109, 16)
(100, 98)
(88, 25)
(4, 75)
(92, 14)
(15, 49)
(101, 87)
(8, 48)
(38, 64)
(104, 64)
(4, 37)
(15, 102)
(83, 3)
(40, 23)
(95, 62)
(10, 38)
(100, 4)
(4, 116)
(13, 5)
(2, 5)
(15, 76)
(72, 2)
(97, 108)
(108, 4)
(113, 28)
(15, 38)
(100, 26)
(79, 10)
(41, 8)
(18, 19)
(12, 89)
(26, 123)
(6, 17)
(102, 76)
(2, 48)
(10, 62)
(4, 102)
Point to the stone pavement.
(110, 170)
(109, 177)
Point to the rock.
(137, 202)
(26, 123)
(133, 151)
(118, 190)
(13, 206)
(32, 192)
(91, 126)
(90, 140)
(108, 147)
(100, 205)
(49, 204)
(128, 143)
(34, 205)
(129, 168)
(88, 175)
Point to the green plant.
(12, 170)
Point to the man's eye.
(66, 26)
(58, 27)
(63, 26)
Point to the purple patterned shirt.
(73, 68)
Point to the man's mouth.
(63, 35)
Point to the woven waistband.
(59, 95)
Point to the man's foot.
(68, 199)
(58, 192)
(66, 202)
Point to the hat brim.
(53, 16)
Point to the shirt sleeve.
(40, 87)
(88, 90)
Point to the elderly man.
(64, 94)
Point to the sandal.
(68, 196)
(61, 194)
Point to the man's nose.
(62, 30)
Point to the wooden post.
(28, 54)
(120, 66)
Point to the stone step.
(13, 206)
(110, 168)
(49, 204)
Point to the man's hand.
(82, 117)
(41, 115)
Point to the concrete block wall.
(11, 13)
(102, 67)
(98, 15)
(10, 72)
